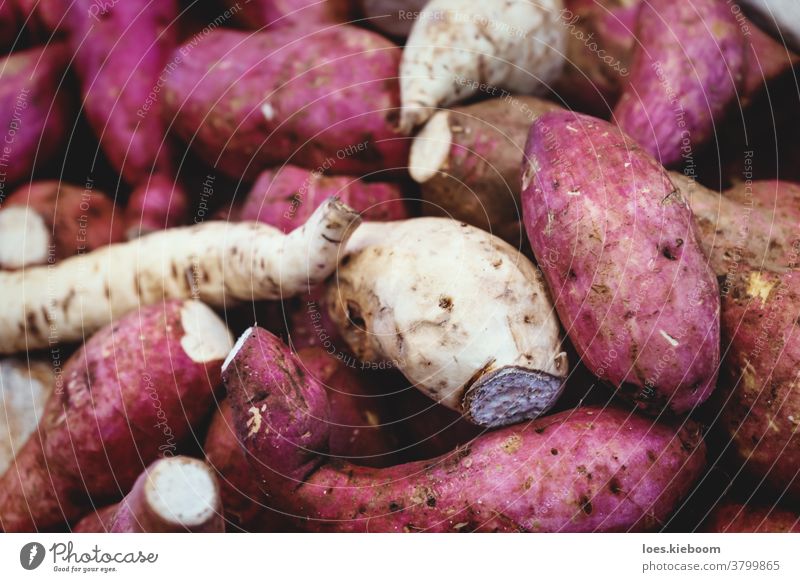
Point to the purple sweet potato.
(36, 110)
(730, 517)
(600, 45)
(44, 222)
(758, 388)
(323, 101)
(285, 197)
(136, 390)
(258, 14)
(617, 245)
(738, 236)
(686, 72)
(157, 203)
(779, 198)
(120, 50)
(587, 469)
(467, 162)
(175, 494)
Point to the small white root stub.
(462, 314)
(217, 263)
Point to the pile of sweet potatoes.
(518, 268)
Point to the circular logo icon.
(31, 555)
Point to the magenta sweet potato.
(587, 469)
(98, 521)
(685, 74)
(729, 517)
(136, 390)
(120, 50)
(325, 100)
(157, 203)
(758, 387)
(285, 197)
(36, 108)
(258, 14)
(45, 222)
(617, 245)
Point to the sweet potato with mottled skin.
(173, 495)
(258, 14)
(686, 73)
(136, 390)
(45, 222)
(120, 50)
(216, 262)
(600, 44)
(729, 517)
(737, 236)
(156, 204)
(467, 162)
(587, 469)
(285, 197)
(617, 245)
(36, 108)
(758, 388)
(779, 198)
(324, 100)
(24, 388)
(460, 48)
(460, 313)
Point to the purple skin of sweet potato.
(736, 518)
(779, 199)
(120, 50)
(759, 390)
(583, 470)
(36, 112)
(686, 72)
(617, 245)
(98, 521)
(157, 203)
(286, 197)
(130, 394)
(258, 14)
(326, 100)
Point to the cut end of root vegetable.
(24, 238)
(182, 491)
(431, 147)
(206, 337)
(510, 395)
(237, 346)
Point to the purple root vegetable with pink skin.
(686, 73)
(37, 109)
(173, 495)
(159, 202)
(325, 100)
(285, 197)
(587, 469)
(136, 390)
(779, 198)
(120, 51)
(758, 390)
(618, 247)
(263, 14)
(729, 517)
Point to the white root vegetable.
(460, 47)
(458, 311)
(24, 388)
(216, 262)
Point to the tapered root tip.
(510, 395)
(430, 148)
(413, 115)
(183, 492)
